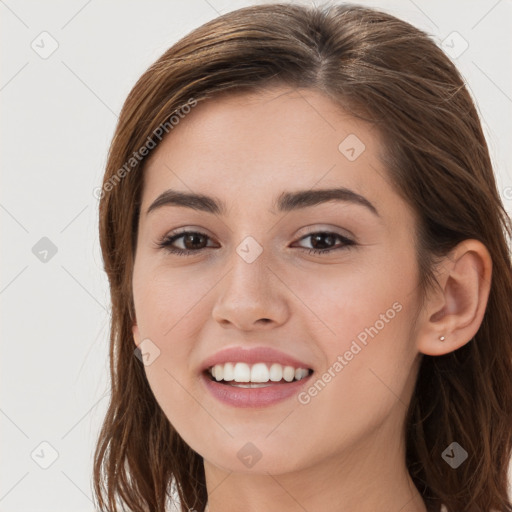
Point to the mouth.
(258, 375)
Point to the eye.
(321, 238)
(193, 242)
(196, 241)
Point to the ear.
(456, 308)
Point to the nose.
(251, 296)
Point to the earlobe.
(454, 312)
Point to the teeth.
(276, 372)
(219, 372)
(288, 373)
(257, 373)
(229, 372)
(242, 372)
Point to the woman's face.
(251, 280)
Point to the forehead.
(246, 146)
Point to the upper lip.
(251, 356)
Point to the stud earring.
(441, 338)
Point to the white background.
(58, 116)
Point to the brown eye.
(324, 241)
(192, 241)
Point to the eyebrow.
(286, 202)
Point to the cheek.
(351, 300)
(164, 297)
(170, 309)
(368, 348)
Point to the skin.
(344, 449)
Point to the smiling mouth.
(241, 381)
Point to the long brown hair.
(393, 75)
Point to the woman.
(307, 251)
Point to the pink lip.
(252, 356)
(253, 397)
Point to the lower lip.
(253, 397)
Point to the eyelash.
(167, 240)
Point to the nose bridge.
(249, 291)
(249, 269)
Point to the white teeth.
(300, 373)
(242, 372)
(257, 373)
(276, 372)
(229, 372)
(219, 371)
(288, 373)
